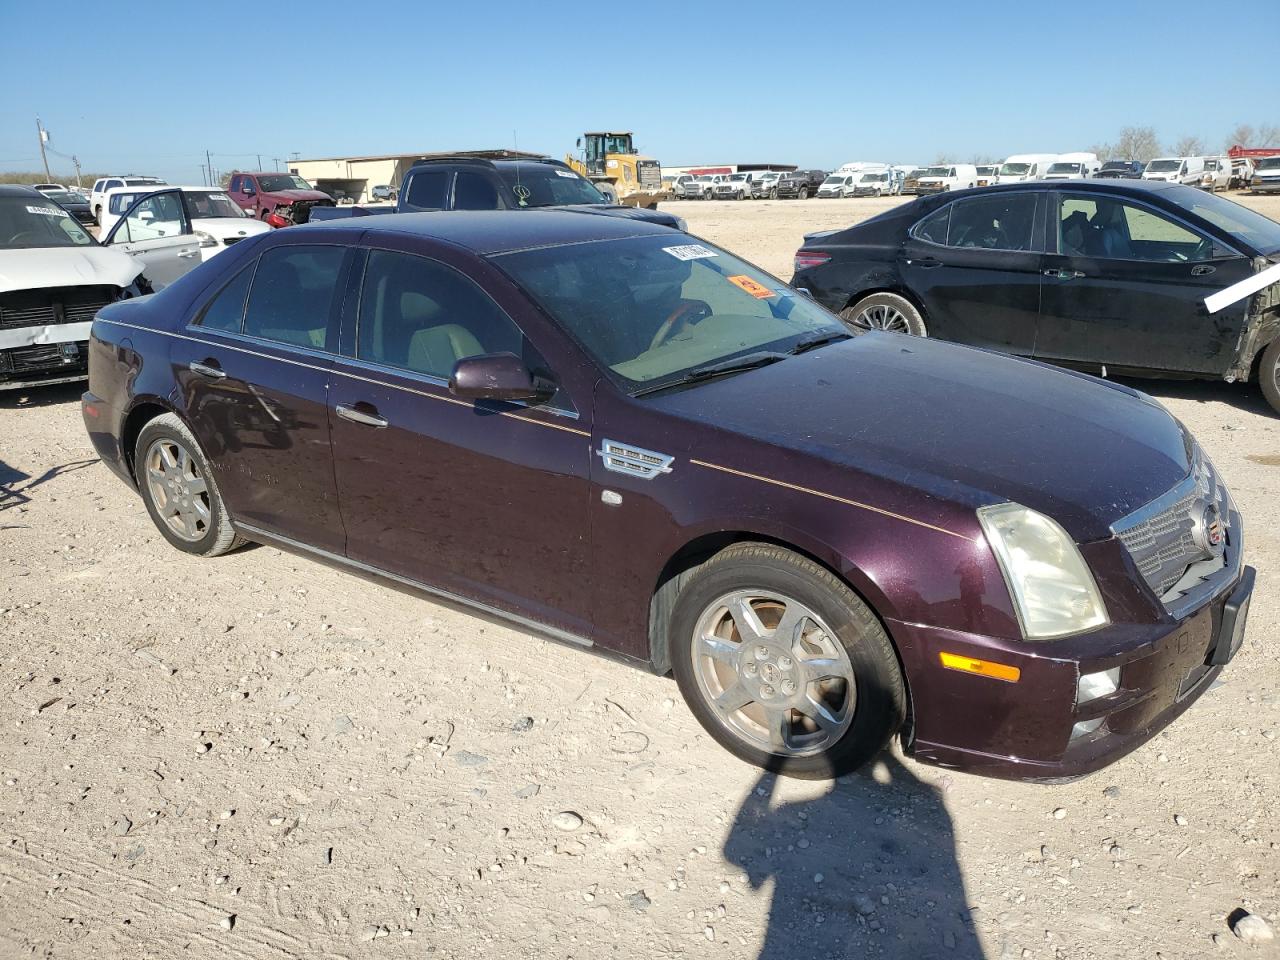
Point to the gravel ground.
(260, 757)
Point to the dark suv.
(1121, 170)
(800, 184)
(632, 441)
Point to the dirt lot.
(259, 757)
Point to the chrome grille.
(28, 317)
(53, 312)
(1169, 545)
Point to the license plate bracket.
(1235, 613)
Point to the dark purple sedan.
(628, 439)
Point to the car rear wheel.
(783, 664)
(885, 311)
(1269, 374)
(804, 193)
(179, 489)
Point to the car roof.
(488, 232)
(18, 190)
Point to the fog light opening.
(1091, 686)
(1086, 727)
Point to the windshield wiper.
(725, 367)
(817, 340)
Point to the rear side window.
(420, 315)
(997, 222)
(226, 310)
(934, 227)
(427, 190)
(291, 300)
(473, 191)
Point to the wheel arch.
(888, 286)
(141, 412)
(697, 550)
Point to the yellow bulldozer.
(610, 161)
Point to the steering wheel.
(681, 318)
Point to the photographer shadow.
(867, 867)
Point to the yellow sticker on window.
(757, 290)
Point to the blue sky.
(149, 87)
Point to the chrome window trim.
(564, 636)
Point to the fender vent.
(633, 461)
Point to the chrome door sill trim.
(564, 636)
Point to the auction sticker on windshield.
(567, 173)
(690, 251)
(757, 290)
(49, 211)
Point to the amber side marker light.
(985, 668)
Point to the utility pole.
(276, 161)
(209, 163)
(259, 166)
(76, 161)
(44, 135)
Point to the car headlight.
(1053, 591)
(206, 239)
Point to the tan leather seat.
(436, 349)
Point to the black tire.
(1269, 374)
(219, 536)
(911, 314)
(97, 215)
(804, 193)
(880, 704)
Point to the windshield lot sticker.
(757, 290)
(48, 212)
(690, 251)
(569, 174)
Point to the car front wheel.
(885, 311)
(1269, 374)
(783, 664)
(179, 490)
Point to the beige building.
(356, 177)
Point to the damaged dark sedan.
(1102, 276)
(632, 441)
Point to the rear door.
(157, 231)
(1124, 284)
(254, 370)
(974, 265)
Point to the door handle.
(206, 370)
(925, 262)
(349, 412)
(1064, 274)
(1203, 270)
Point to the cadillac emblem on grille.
(1210, 533)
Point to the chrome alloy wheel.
(178, 489)
(880, 316)
(773, 673)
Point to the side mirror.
(494, 376)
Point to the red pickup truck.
(278, 199)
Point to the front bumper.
(1027, 730)
(46, 361)
(1264, 186)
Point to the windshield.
(1268, 163)
(282, 181)
(1116, 165)
(915, 174)
(27, 222)
(738, 176)
(936, 172)
(651, 311)
(1259, 232)
(63, 196)
(145, 182)
(205, 205)
(1014, 169)
(703, 177)
(547, 185)
(1064, 168)
(834, 180)
(872, 177)
(1163, 166)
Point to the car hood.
(42, 267)
(958, 424)
(617, 210)
(294, 195)
(230, 226)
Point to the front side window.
(473, 191)
(428, 190)
(225, 311)
(159, 215)
(651, 310)
(419, 315)
(292, 295)
(1112, 229)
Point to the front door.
(254, 371)
(156, 231)
(485, 501)
(974, 265)
(1125, 285)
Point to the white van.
(838, 185)
(1217, 174)
(873, 182)
(1025, 166)
(1073, 166)
(949, 176)
(1184, 170)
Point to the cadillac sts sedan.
(621, 437)
(1098, 275)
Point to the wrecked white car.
(53, 278)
